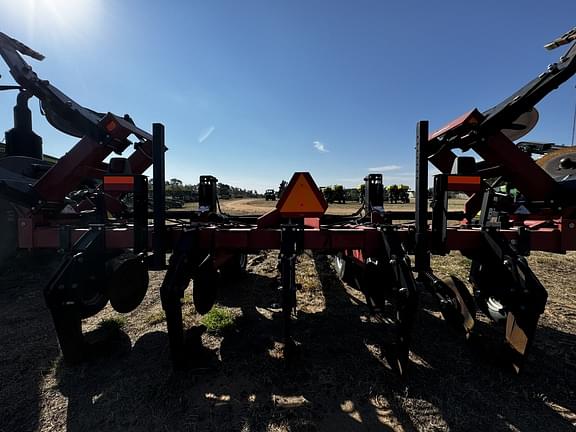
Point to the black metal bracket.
(207, 194)
(500, 273)
(374, 197)
(76, 291)
(180, 271)
(494, 213)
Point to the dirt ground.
(338, 382)
(260, 206)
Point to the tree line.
(189, 192)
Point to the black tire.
(235, 267)
(91, 299)
(488, 282)
(127, 282)
(376, 283)
(89, 290)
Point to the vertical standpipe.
(421, 256)
(21, 139)
(159, 178)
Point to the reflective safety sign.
(302, 198)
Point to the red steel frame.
(85, 160)
(558, 239)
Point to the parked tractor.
(270, 195)
(398, 194)
(334, 194)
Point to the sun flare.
(54, 18)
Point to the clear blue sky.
(246, 88)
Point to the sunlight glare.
(58, 19)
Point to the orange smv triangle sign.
(302, 198)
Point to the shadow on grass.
(28, 344)
(337, 381)
(471, 390)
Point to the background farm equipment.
(73, 198)
(398, 194)
(270, 195)
(334, 194)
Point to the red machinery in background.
(501, 228)
(75, 207)
(67, 205)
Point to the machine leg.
(507, 289)
(183, 262)
(175, 325)
(177, 278)
(524, 314)
(520, 330)
(289, 248)
(68, 327)
(76, 292)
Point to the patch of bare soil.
(339, 380)
(260, 206)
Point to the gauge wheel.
(89, 298)
(235, 266)
(127, 281)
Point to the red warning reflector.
(464, 183)
(119, 180)
(111, 125)
(119, 183)
(302, 198)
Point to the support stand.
(177, 279)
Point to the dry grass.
(261, 206)
(115, 323)
(156, 317)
